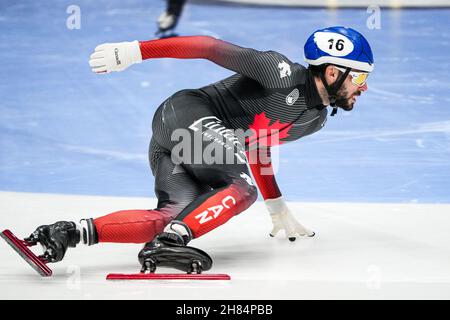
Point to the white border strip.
(346, 3)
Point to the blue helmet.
(340, 46)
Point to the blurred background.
(66, 130)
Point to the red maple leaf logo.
(266, 134)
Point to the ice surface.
(361, 251)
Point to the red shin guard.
(131, 226)
(219, 208)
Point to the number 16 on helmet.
(339, 46)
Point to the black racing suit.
(269, 101)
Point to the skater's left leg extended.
(175, 189)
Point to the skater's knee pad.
(220, 207)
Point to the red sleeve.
(262, 170)
(177, 47)
(261, 66)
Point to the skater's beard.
(345, 100)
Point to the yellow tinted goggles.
(358, 78)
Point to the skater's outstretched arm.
(271, 69)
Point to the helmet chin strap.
(334, 88)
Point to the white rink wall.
(347, 3)
(361, 251)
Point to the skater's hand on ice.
(110, 57)
(283, 219)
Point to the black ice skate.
(169, 249)
(166, 25)
(54, 238)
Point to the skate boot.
(55, 239)
(166, 24)
(169, 250)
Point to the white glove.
(283, 219)
(110, 57)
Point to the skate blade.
(167, 276)
(20, 247)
